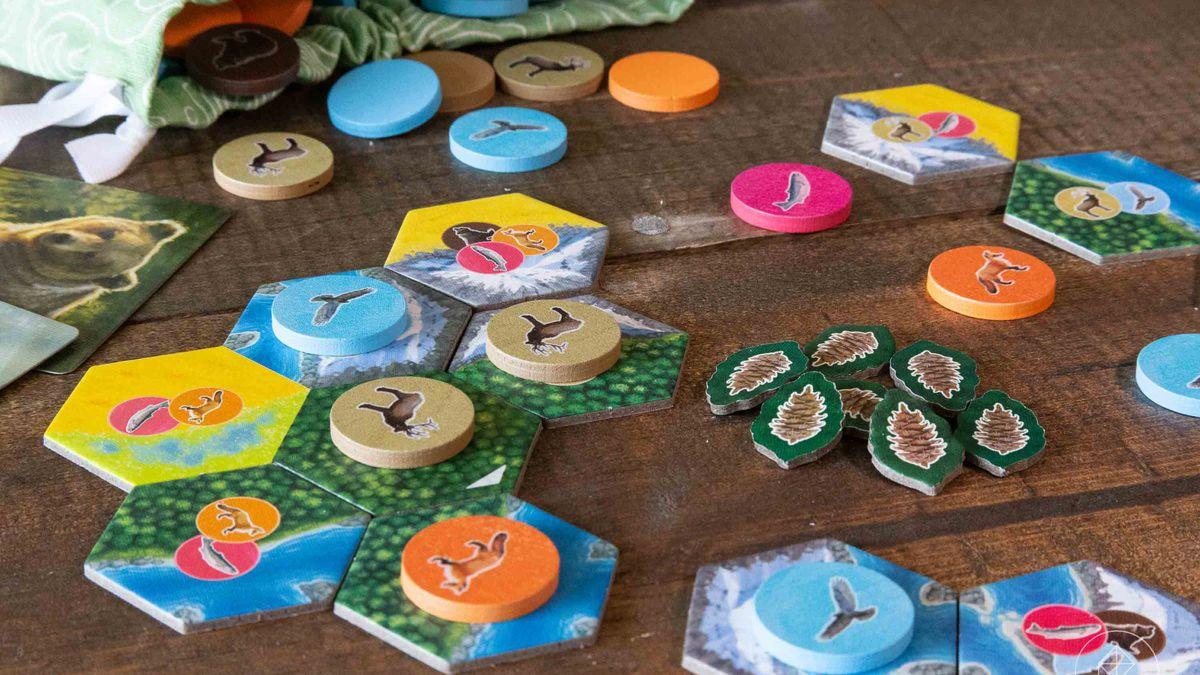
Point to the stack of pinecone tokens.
(810, 395)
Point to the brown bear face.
(100, 249)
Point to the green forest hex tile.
(911, 445)
(720, 637)
(943, 377)
(1000, 434)
(643, 379)
(373, 599)
(227, 548)
(435, 321)
(1106, 206)
(173, 416)
(1076, 618)
(800, 423)
(492, 463)
(850, 351)
(749, 376)
(859, 398)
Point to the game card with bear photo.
(90, 255)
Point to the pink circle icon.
(143, 416)
(787, 197)
(211, 560)
(1065, 630)
(490, 257)
(948, 124)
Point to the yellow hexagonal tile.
(499, 250)
(173, 416)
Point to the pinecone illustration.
(1000, 430)
(937, 372)
(756, 371)
(800, 417)
(859, 403)
(843, 347)
(914, 438)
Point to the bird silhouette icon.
(503, 127)
(330, 304)
(847, 611)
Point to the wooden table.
(679, 489)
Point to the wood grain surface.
(678, 489)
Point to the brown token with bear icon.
(243, 59)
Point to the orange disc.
(990, 282)
(285, 15)
(479, 569)
(663, 81)
(193, 20)
(238, 519)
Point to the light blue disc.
(481, 9)
(384, 98)
(1140, 199)
(338, 315)
(508, 140)
(1168, 373)
(833, 618)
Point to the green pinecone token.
(859, 398)
(851, 351)
(800, 423)
(748, 377)
(943, 377)
(1000, 434)
(911, 445)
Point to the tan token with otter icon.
(402, 422)
(549, 71)
(553, 341)
(273, 165)
(479, 569)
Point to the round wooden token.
(479, 569)
(549, 71)
(1168, 373)
(402, 422)
(243, 59)
(832, 617)
(193, 20)
(553, 341)
(990, 282)
(384, 98)
(285, 15)
(467, 81)
(508, 139)
(274, 165)
(788, 197)
(480, 9)
(338, 315)
(663, 81)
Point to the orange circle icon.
(479, 569)
(663, 81)
(531, 239)
(238, 519)
(206, 406)
(990, 282)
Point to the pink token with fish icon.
(1063, 629)
(789, 197)
(210, 560)
(142, 416)
(490, 257)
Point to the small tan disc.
(553, 341)
(402, 422)
(468, 82)
(549, 71)
(273, 165)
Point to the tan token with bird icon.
(549, 71)
(468, 81)
(273, 165)
(402, 422)
(553, 341)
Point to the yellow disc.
(402, 422)
(901, 129)
(553, 341)
(1087, 203)
(273, 165)
(549, 71)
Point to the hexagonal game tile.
(173, 416)
(1076, 618)
(492, 463)
(1106, 206)
(720, 634)
(499, 250)
(643, 379)
(227, 548)
(372, 597)
(921, 133)
(435, 321)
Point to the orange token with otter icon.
(990, 282)
(479, 569)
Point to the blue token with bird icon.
(1168, 373)
(832, 618)
(508, 139)
(338, 315)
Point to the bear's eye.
(106, 233)
(59, 238)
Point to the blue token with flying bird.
(338, 315)
(508, 139)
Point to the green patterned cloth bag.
(107, 55)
